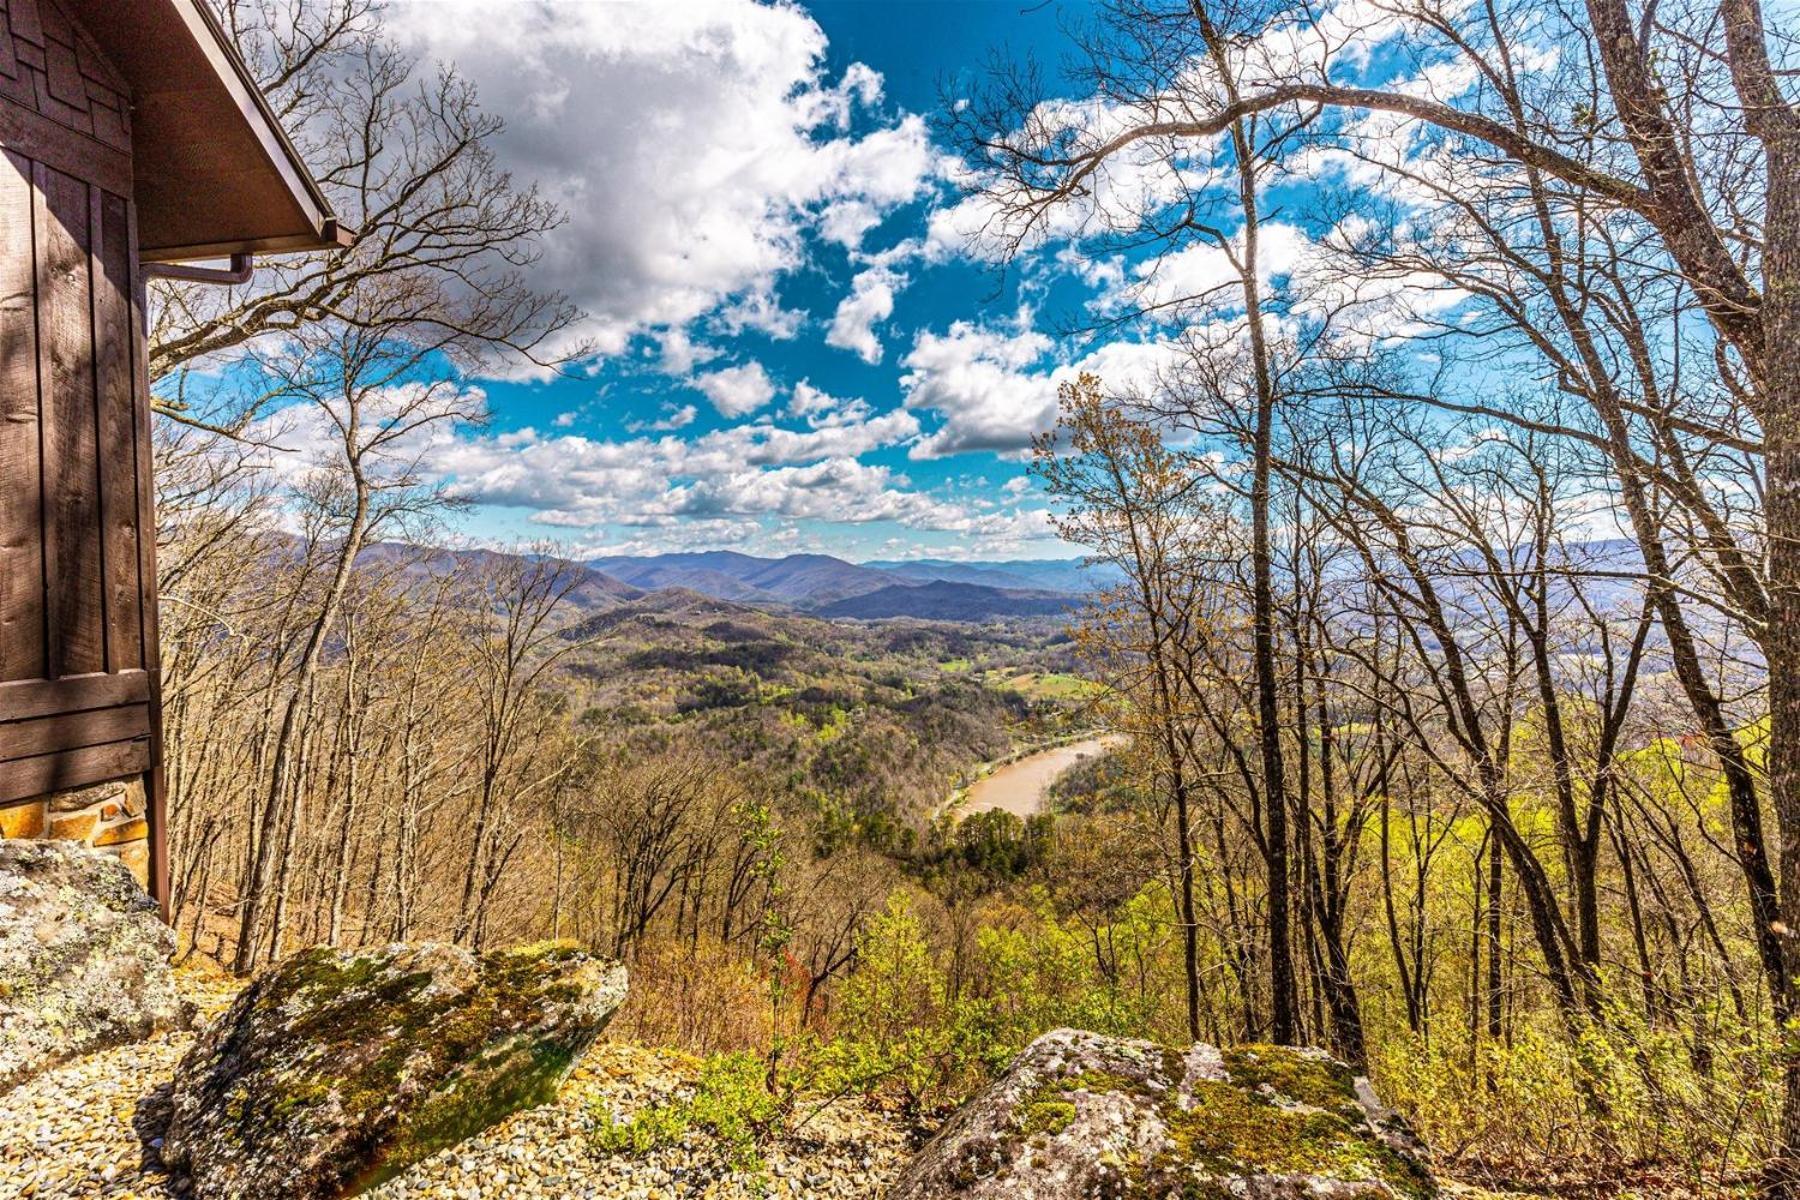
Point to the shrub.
(731, 1102)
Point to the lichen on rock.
(1082, 1116)
(84, 958)
(337, 1069)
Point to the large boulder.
(1081, 1116)
(84, 958)
(337, 1069)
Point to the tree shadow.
(150, 1122)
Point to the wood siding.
(78, 682)
(50, 67)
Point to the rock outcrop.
(337, 1069)
(1081, 1116)
(84, 958)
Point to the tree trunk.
(1496, 996)
(262, 869)
(1781, 437)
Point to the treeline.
(445, 778)
(399, 743)
(450, 776)
(356, 752)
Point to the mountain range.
(923, 589)
(946, 600)
(1072, 575)
(927, 589)
(800, 580)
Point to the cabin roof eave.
(214, 173)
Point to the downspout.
(242, 267)
(156, 798)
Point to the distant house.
(132, 136)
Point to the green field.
(1048, 685)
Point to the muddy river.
(1022, 787)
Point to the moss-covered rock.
(337, 1069)
(84, 958)
(1080, 1116)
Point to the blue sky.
(796, 351)
(799, 341)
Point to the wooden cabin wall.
(78, 654)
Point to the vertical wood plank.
(21, 500)
(71, 451)
(77, 553)
(146, 492)
(117, 425)
(46, 418)
(96, 351)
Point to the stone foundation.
(107, 816)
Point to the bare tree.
(364, 392)
(1605, 136)
(518, 646)
(1127, 499)
(404, 152)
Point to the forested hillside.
(472, 716)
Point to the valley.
(864, 694)
(867, 724)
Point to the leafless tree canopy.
(446, 239)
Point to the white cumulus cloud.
(870, 302)
(995, 388)
(737, 391)
(693, 146)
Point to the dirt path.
(1020, 788)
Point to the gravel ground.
(844, 1151)
(91, 1129)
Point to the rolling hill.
(1041, 574)
(819, 582)
(943, 600)
(593, 589)
(801, 580)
